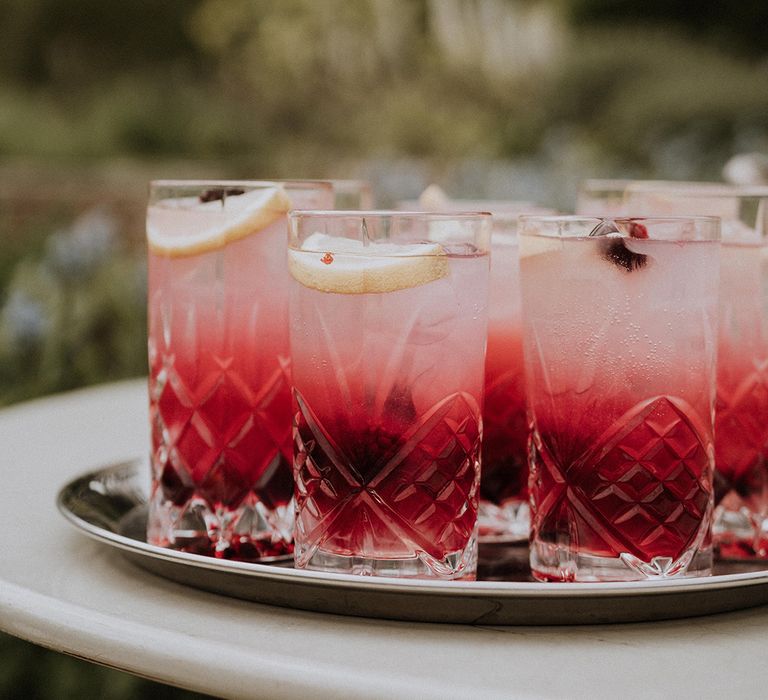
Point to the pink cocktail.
(220, 403)
(504, 512)
(741, 417)
(387, 339)
(620, 322)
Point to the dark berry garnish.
(220, 193)
(615, 250)
(618, 253)
(637, 230)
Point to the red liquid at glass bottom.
(397, 495)
(634, 504)
(504, 514)
(741, 465)
(221, 451)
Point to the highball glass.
(219, 393)
(619, 337)
(388, 324)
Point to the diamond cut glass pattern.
(642, 489)
(407, 495)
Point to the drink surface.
(220, 398)
(388, 394)
(620, 373)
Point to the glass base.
(552, 563)
(740, 534)
(249, 532)
(508, 522)
(461, 565)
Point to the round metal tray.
(110, 505)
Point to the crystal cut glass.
(219, 384)
(619, 333)
(388, 324)
(741, 417)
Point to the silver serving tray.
(110, 505)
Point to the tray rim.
(348, 582)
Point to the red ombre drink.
(220, 404)
(504, 513)
(388, 323)
(741, 417)
(504, 484)
(620, 328)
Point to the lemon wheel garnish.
(180, 227)
(346, 266)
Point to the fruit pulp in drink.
(620, 364)
(388, 395)
(504, 513)
(741, 414)
(220, 404)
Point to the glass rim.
(502, 210)
(660, 218)
(696, 189)
(471, 203)
(712, 223)
(254, 184)
(606, 183)
(357, 181)
(386, 214)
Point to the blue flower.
(24, 319)
(82, 247)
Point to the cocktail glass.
(601, 197)
(619, 335)
(741, 416)
(220, 402)
(504, 514)
(388, 325)
(352, 194)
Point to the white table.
(63, 591)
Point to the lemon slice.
(346, 266)
(186, 226)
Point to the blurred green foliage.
(73, 309)
(300, 85)
(733, 28)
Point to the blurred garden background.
(488, 98)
